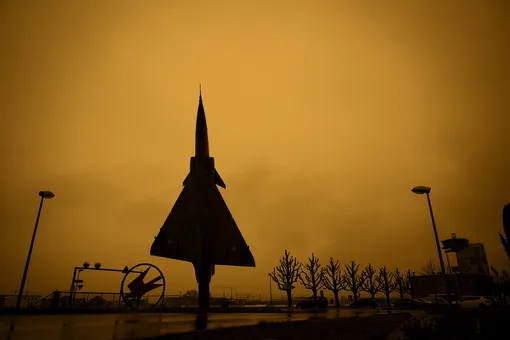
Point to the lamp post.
(448, 262)
(43, 194)
(270, 291)
(420, 190)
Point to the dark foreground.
(371, 327)
(460, 325)
(134, 325)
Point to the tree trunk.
(388, 301)
(314, 293)
(337, 302)
(289, 298)
(355, 295)
(401, 294)
(372, 295)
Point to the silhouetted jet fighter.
(200, 229)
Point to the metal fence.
(110, 300)
(9, 300)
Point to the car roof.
(471, 297)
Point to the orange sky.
(322, 116)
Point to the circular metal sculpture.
(143, 286)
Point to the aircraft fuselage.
(200, 228)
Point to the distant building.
(460, 284)
(471, 257)
(471, 276)
(191, 293)
(472, 260)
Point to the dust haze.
(322, 116)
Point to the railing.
(49, 296)
(111, 300)
(9, 300)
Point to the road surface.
(129, 326)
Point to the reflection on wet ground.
(128, 326)
(201, 323)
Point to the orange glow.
(322, 116)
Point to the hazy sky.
(322, 116)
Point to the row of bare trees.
(314, 277)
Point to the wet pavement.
(131, 326)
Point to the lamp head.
(46, 194)
(420, 190)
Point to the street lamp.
(43, 194)
(420, 190)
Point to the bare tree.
(408, 287)
(499, 281)
(505, 240)
(286, 274)
(353, 279)
(333, 279)
(312, 276)
(430, 269)
(387, 282)
(504, 280)
(495, 272)
(400, 284)
(370, 282)
(502, 277)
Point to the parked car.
(409, 304)
(311, 302)
(501, 301)
(414, 303)
(364, 303)
(475, 302)
(435, 300)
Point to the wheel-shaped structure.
(143, 286)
